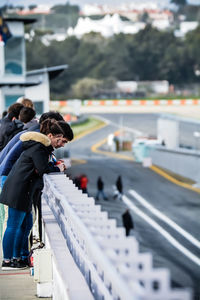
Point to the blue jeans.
(101, 192)
(15, 240)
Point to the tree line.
(148, 55)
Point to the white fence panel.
(110, 261)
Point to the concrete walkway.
(17, 285)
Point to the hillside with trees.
(147, 55)
(95, 63)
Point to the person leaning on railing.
(36, 191)
(10, 125)
(10, 154)
(31, 165)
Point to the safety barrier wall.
(184, 162)
(155, 102)
(111, 263)
(125, 102)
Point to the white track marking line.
(167, 220)
(135, 131)
(162, 231)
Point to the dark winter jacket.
(9, 129)
(15, 140)
(10, 146)
(11, 158)
(12, 152)
(31, 166)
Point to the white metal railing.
(110, 262)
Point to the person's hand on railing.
(61, 165)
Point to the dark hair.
(51, 126)
(51, 115)
(14, 110)
(4, 113)
(26, 114)
(68, 133)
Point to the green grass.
(89, 125)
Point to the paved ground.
(16, 285)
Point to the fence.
(110, 262)
(56, 104)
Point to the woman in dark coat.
(31, 165)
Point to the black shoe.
(6, 266)
(26, 261)
(20, 264)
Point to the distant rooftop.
(53, 71)
(23, 20)
(22, 84)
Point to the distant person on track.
(127, 222)
(83, 183)
(100, 189)
(119, 188)
(77, 181)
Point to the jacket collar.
(35, 136)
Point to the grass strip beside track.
(90, 125)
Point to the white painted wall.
(180, 161)
(168, 130)
(16, 28)
(39, 92)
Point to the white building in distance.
(107, 26)
(185, 27)
(96, 9)
(39, 9)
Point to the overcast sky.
(81, 2)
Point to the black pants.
(37, 204)
(127, 231)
